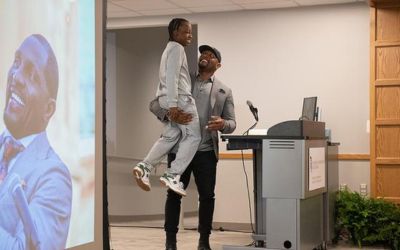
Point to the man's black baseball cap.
(216, 53)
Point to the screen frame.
(101, 224)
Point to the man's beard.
(205, 67)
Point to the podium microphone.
(253, 110)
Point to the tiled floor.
(123, 238)
(149, 235)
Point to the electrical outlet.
(343, 186)
(363, 189)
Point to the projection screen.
(51, 124)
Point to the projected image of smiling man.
(31, 94)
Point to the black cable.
(231, 230)
(135, 226)
(248, 193)
(151, 227)
(252, 244)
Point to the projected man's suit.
(36, 190)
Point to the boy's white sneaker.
(141, 172)
(172, 182)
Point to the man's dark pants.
(203, 166)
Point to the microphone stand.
(254, 111)
(252, 126)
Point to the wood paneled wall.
(385, 100)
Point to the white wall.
(231, 192)
(275, 58)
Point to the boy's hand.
(177, 115)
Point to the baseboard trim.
(340, 157)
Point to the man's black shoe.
(170, 246)
(204, 246)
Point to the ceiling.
(141, 8)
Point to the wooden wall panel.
(387, 142)
(388, 102)
(388, 181)
(388, 63)
(384, 3)
(385, 100)
(388, 24)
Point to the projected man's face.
(28, 105)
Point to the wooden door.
(385, 99)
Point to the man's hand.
(177, 115)
(216, 123)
